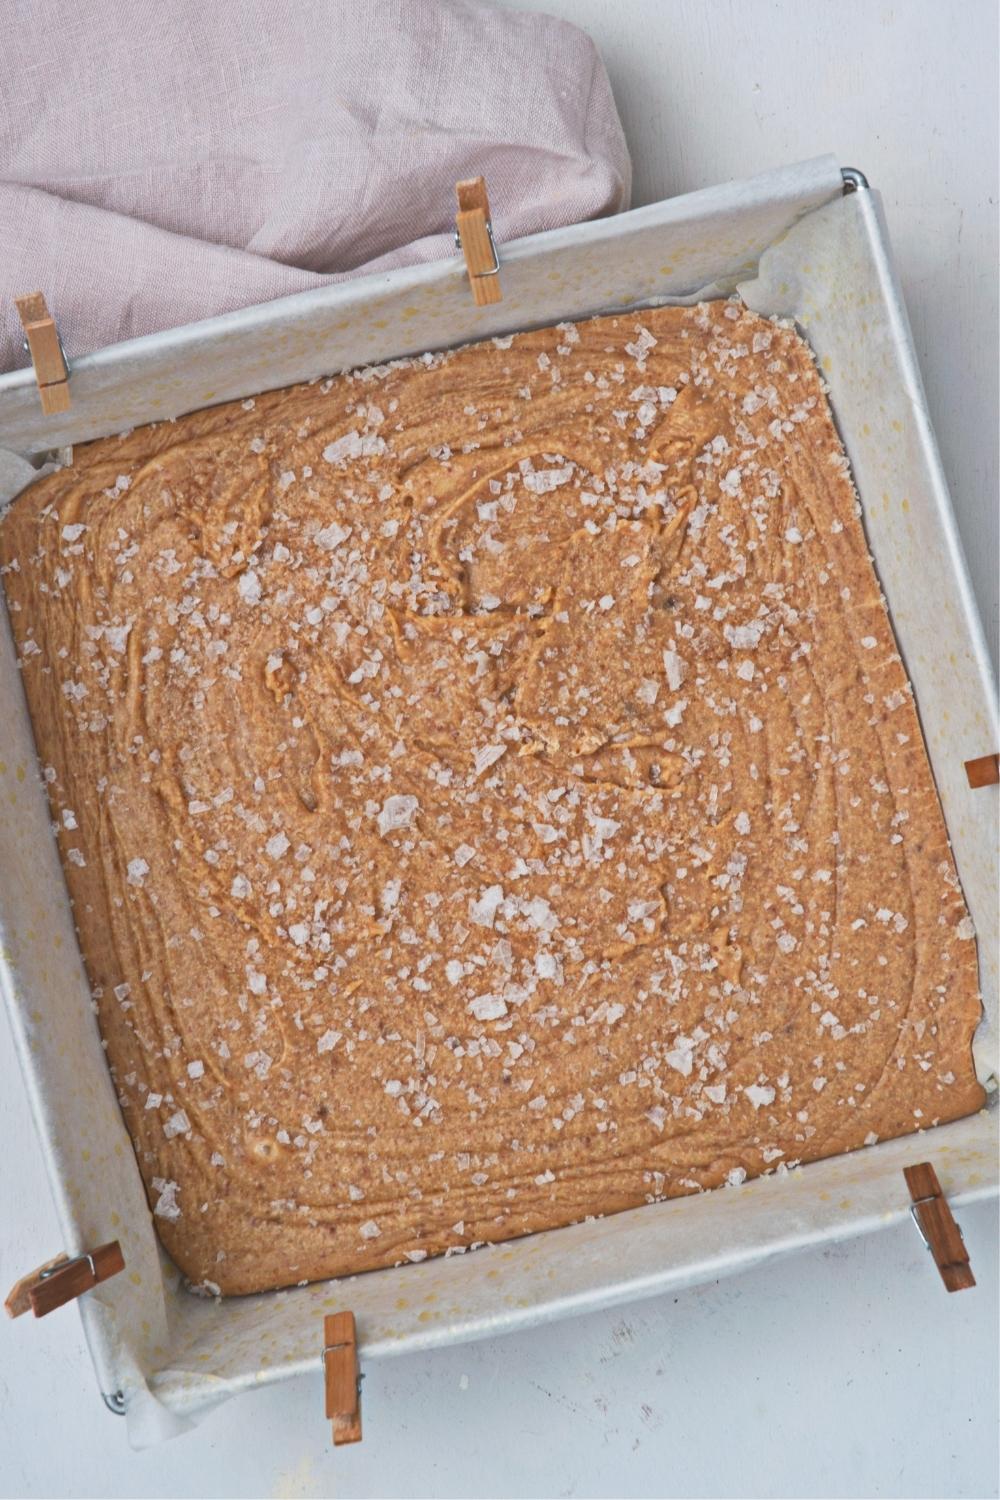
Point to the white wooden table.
(847, 1372)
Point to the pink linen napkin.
(164, 162)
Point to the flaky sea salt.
(681, 1055)
(542, 481)
(484, 908)
(759, 1095)
(166, 1205)
(744, 637)
(353, 445)
(546, 832)
(488, 1007)
(397, 812)
(487, 756)
(248, 587)
(642, 344)
(675, 668)
(329, 537)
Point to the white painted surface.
(845, 1373)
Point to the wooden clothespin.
(983, 772)
(63, 1280)
(45, 347)
(343, 1379)
(474, 237)
(936, 1225)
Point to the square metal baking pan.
(803, 242)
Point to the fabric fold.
(218, 157)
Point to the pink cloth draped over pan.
(164, 163)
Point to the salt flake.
(488, 1007)
(487, 756)
(397, 812)
(759, 1095)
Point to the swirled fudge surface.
(490, 794)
